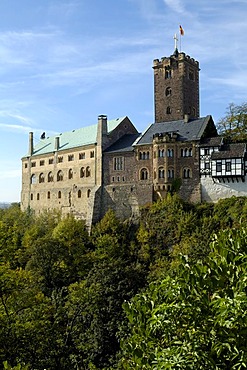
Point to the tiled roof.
(230, 151)
(73, 139)
(124, 144)
(187, 131)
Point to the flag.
(181, 30)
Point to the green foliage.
(62, 290)
(234, 125)
(195, 319)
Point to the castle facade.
(87, 171)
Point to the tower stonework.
(176, 87)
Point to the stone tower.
(176, 87)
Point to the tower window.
(79, 193)
(59, 194)
(70, 157)
(82, 155)
(48, 195)
(82, 172)
(168, 73)
(33, 179)
(161, 173)
(168, 110)
(191, 75)
(168, 91)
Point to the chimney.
(30, 152)
(56, 142)
(186, 118)
(102, 122)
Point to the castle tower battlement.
(176, 87)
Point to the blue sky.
(64, 62)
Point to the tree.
(195, 319)
(234, 125)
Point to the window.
(82, 172)
(168, 110)
(33, 179)
(161, 153)
(92, 154)
(38, 196)
(31, 197)
(50, 160)
(207, 166)
(42, 162)
(70, 174)
(70, 157)
(218, 166)
(190, 152)
(228, 166)
(50, 177)
(161, 173)
(25, 165)
(144, 174)
(170, 152)
(88, 193)
(187, 173)
(88, 171)
(82, 155)
(33, 164)
(191, 75)
(41, 178)
(168, 91)
(168, 72)
(48, 195)
(59, 195)
(60, 176)
(118, 163)
(113, 179)
(170, 173)
(79, 193)
(60, 159)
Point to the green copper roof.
(73, 139)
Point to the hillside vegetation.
(166, 293)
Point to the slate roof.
(237, 150)
(212, 141)
(187, 131)
(73, 139)
(124, 144)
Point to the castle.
(87, 171)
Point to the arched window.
(88, 193)
(88, 171)
(82, 172)
(147, 155)
(190, 152)
(41, 178)
(144, 174)
(50, 177)
(168, 73)
(48, 195)
(161, 153)
(70, 174)
(33, 179)
(170, 153)
(170, 173)
(59, 195)
(187, 173)
(79, 193)
(140, 155)
(168, 110)
(186, 153)
(168, 91)
(60, 176)
(161, 173)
